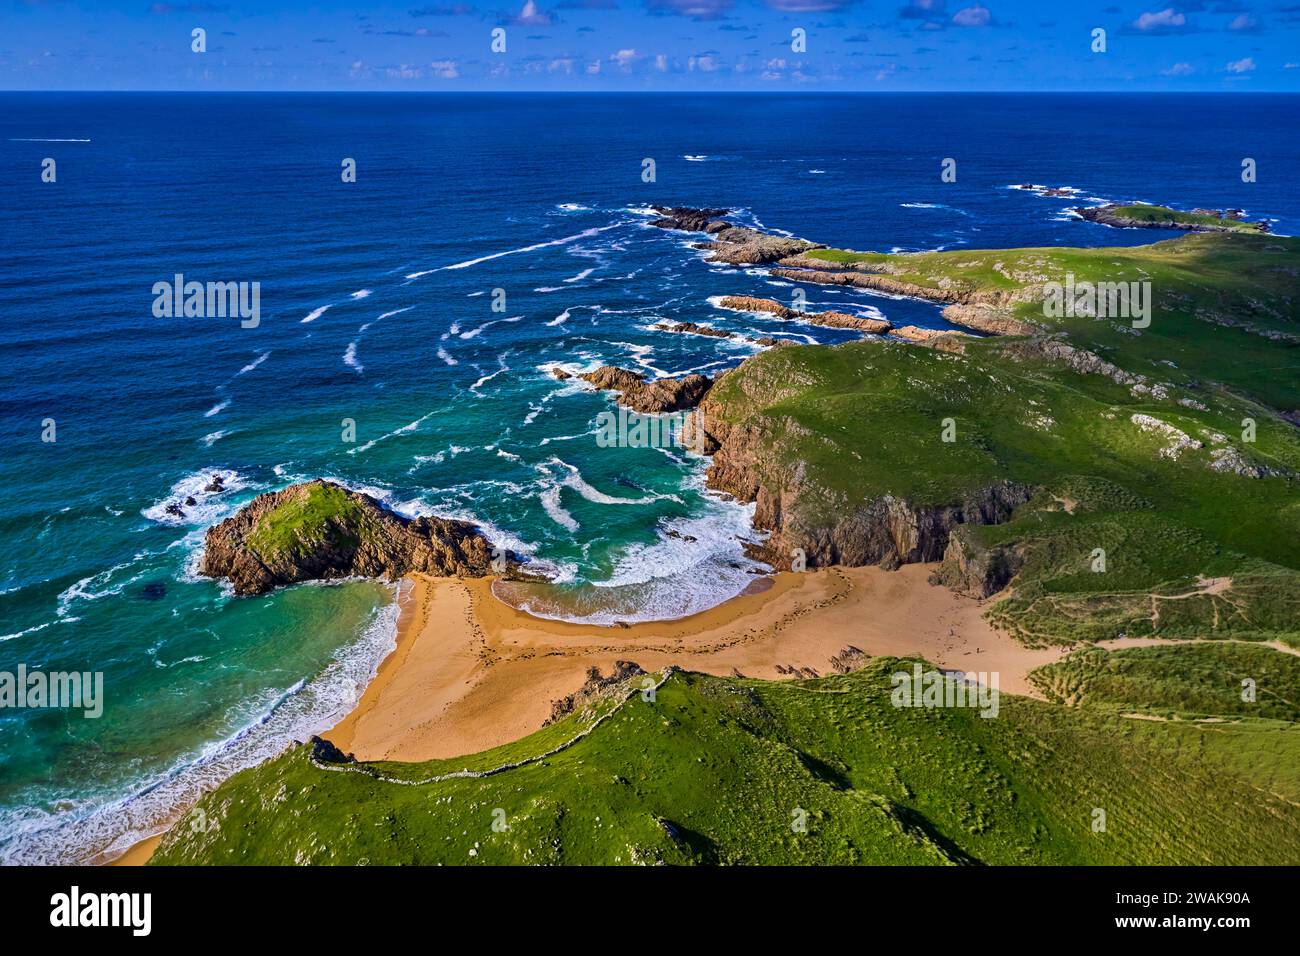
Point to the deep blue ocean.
(376, 308)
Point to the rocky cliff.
(887, 530)
(319, 530)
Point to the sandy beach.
(470, 672)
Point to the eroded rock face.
(650, 398)
(979, 572)
(319, 530)
(887, 531)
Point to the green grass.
(717, 771)
(321, 510)
(1184, 681)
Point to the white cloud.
(1245, 65)
(444, 69)
(625, 59)
(1164, 20)
(532, 16)
(975, 16)
(1178, 69)
(1243, 21)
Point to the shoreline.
(470, 672)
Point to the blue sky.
(603, 45)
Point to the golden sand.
(470, 672)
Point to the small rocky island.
(319, 530)
(1143, 216)
(732, 244)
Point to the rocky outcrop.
(650, 398)
(834, 320)
(595, 688)
(686, 219)
(1177, 440)
(694, 328)
(735, 245)
(319, 530)
(914, 333)
(850, 659)
(989, 319)
(974, 570)
(323, 751)
(1080, 360)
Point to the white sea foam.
(208, 505)
(217, 408)
(572, 478)
(442, 354)
(512, 252)
(394, 312)
(255, 363)
(404, 430)
(350, 358)
(476, 332)
(362, 294)
(550, 499)
(212, 437)
(261, 729)
(559, 319)
(315, 314)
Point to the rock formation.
(835, 320)
(595, 687)
(656, 397)
(320, 530)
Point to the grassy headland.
(720, 771)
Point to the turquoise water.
(376, 308)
